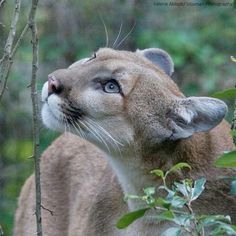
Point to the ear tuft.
(196, 114)
(159, 58)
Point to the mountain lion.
(127, 117)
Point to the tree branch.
(233, 126)
(5, 66)
(46, 209)
(6, 60)
(34, 97)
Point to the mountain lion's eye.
(111, 86)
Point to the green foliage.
(225, 94)
(176, 207)
(129, 218)
(228, 159)
(172, 231)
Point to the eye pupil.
(111, 86)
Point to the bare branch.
(233, 125)
(6, 60)
(46, 209)
(34, 97)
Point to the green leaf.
(225, 94)
(182, 188)
(178, 166)
(158, 172)
(178, 202)
(228, 159)
(130, 217)
(149, 191)
(223, 229)
(233, 133)
(162, 202)
(184, 219)
(211, 219)
(166, 215)
(173, 231)
(198, 188)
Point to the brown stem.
(195, 223)
(50, 211)
(34, 97)
(233, 126)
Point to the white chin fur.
(51, 115)
(44, 94)
(50, 120)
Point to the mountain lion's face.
(117, 98)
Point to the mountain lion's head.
(118, 98)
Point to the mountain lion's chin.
(50, 120)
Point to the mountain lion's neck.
(133, 169)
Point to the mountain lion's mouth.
(71, 112)
(63, 117)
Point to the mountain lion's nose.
(54, 85)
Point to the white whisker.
(77, 128)
(96, 134)
(125, 37)
(113, 142)
(106, 32)
(118, 36)
(65, 123)
(105, 131)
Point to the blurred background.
(200, 40)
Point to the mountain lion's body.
(127, 105)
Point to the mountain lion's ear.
(196, 114)
(159, 58)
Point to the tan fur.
(79, 181)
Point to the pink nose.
(54, 85)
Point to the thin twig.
(10, 58)
(6, 60)
(233, 126)
(50, 211)
(195, 222)
(34, 97)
